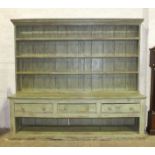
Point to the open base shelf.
(80, 128)
(109, 133)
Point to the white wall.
(7, 56)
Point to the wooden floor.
(77, 139)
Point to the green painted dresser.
(76, 69)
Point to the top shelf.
(76, 32)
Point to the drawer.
(120, 108)
(33, 108)
(77, 108)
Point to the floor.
(76, 140)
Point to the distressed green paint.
(76, 68)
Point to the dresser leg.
(12, 118)
(141, 119)
(141, 125)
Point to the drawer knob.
(131, 109)
(23, 110)
(118, 107)
(109, 108)
(44, 109)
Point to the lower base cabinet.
(75, 108)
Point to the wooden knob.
(44, 109)
(109, 108)
(23, 110)
(118, 107)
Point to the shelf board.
(75, 56)
(73, 73)
(63, 93)
(81, 38)
(78, 21)
(70, 33)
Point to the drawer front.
(76, 108)
(34, 108)
(120, 108)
